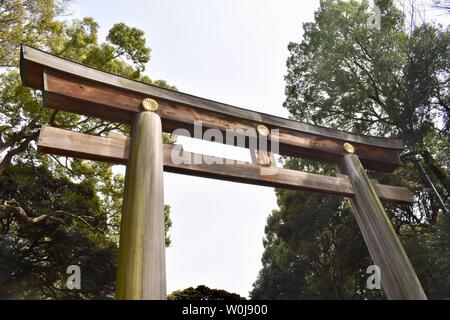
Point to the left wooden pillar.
(141, 270)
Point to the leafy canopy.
(393, 82)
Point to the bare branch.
(13, 207)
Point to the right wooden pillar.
(398, 278)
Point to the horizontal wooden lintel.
(115, 149)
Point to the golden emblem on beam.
(262, 130)
(349, 148)
(149, 104)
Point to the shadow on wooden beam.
(115, 149)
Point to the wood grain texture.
(141, 271)
(76, 88)
(78, 95)
(398, 278)
(84, 146)
(115, 149)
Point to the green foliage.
(203, 293)
(313, 248)
(74, 230)
(368, 81)
(129, 42)
(168, 224)
(386, 82)
(27, 21)
(82, 198)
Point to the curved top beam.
(324, 143)
(47, 61)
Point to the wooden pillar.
(398, 278)
(141, 268)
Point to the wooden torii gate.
(72, 87)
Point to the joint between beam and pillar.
(398, 278)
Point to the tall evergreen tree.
(386, 80)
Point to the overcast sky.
(231, 51)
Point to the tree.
(387, 81)
(203, 293)
(58, 210)
(50, 224)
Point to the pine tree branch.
(13, 207)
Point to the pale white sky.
(231, 51)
